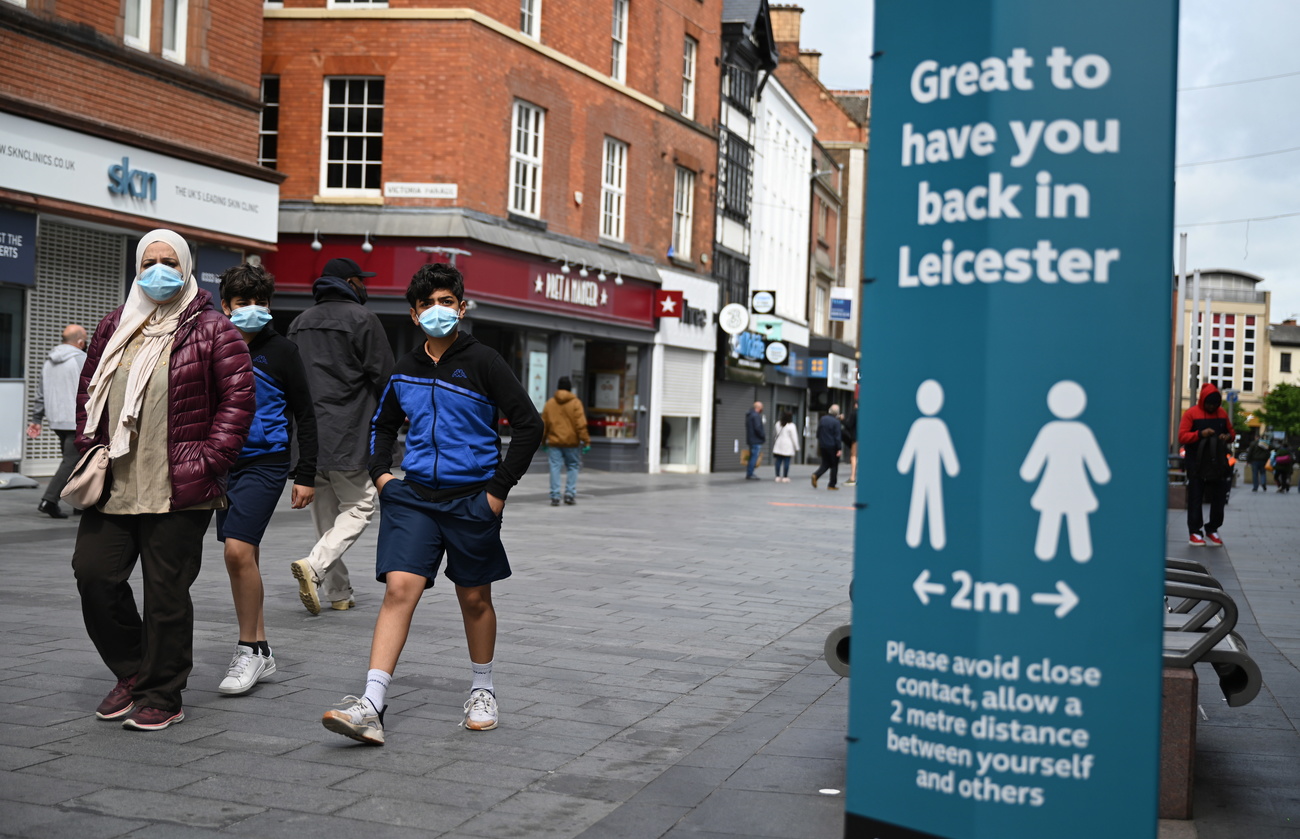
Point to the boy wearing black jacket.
(255, 484)
(450, 499)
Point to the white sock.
(377, 687)
(482, 676)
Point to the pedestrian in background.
(566, 438)
(284, 412)
(755, 437)
(1257, 456)
(348, 359)
(849, 433)
(56, 400)
(1205, 431)
(1283, 463)
(830, 442)
(168, 387)
(784, 446)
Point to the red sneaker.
(1214, 540)
(152, 719)
(1196, 540)
(118, 703)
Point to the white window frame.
(180, 10)
(325, 135)
(618, 52)
(613, 190)
(530, 18)
(22, 4)
(527, 146)
(139, 39)
(690, 57)
(821, 315)
(269, 162)
(356, 4)
(683, 212)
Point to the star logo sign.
(669, 304)
(537, 285)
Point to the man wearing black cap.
(348, 359)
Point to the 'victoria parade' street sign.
(1006, 645)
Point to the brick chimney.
(785, 22)
(811, 59)
(1289, 322)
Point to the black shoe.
(814, 481)
(555, 502)
(752, 478)
(570, 500)
(51, 509)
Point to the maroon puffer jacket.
(210, 400)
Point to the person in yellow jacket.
(566, 437)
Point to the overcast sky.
(1219, 43)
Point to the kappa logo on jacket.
(459, 374)
(260, 359)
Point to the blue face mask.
(160, 282)
(250, 318)
(438, 321)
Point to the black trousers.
(157, 649)
(830, 460)
(1198, 492)
(68, 446)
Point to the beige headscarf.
(158, 323)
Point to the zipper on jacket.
(433, 421)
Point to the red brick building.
(565, 148)
(117, 118)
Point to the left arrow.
(924, 588)
(1064, 600)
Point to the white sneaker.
(481, 710)
(359, 720)
(245, 669)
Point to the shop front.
(681, 415)
(73, 205)
(832, 377)
(544, 321)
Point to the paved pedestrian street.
(659, 671)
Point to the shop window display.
(611, 389)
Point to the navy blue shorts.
(252, 492)
(415, 533)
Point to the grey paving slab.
(165, 806)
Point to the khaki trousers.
(344, 505)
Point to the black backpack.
(1209, 459)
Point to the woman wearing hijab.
(168, 387)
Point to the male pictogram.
(928, 450)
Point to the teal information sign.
(1006, 644)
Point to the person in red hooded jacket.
(1205, 433)
(168, 387)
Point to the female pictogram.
(1065, 453)
(927, 450)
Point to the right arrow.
(1064, 600)
(924, 588)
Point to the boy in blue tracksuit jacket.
(255, 484)
(449, 502)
